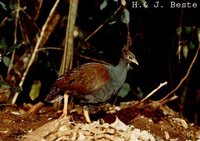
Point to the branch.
(93, 59)
(185, 77)
(15, 35)
(35, 108)
(96, 30)
(67, 59)
(155, 90)
(39, 40)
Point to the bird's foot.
(64, 114)
(86, 114)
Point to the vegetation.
(40, 40)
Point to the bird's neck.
(122, 67)
(118, 74)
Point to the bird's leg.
(86, 114)
(66, 97)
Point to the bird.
(92, 83)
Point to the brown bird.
(92, 83)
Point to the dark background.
(155, 44)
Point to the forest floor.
(142, 122)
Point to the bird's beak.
(134, 60)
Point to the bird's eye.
(130, 57)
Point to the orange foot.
(64, 114)
(86, 114)
(66, 97)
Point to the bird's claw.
(64, 114)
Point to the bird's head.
(128, 56)
(55, 94)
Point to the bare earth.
(130, 123)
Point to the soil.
(18, 123)
(15, 121)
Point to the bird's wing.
(85, 79)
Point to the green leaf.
(185, 50)
(125, 17)
(35, 89)
(5, 84)
(124, 90)
(112, 19)
(191, 45)
(8, 86)
(3, 5)
(12, 48)
(179, 31)
(6, 60)
(16, 88)
(188, 29)
(103, 4)
(3, 44)
(13, 5)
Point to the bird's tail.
(56, 94)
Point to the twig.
(86, 39)
(35, 108)
(93, 59)
(185, 77)
(155, 90)
(166, 100)
(15, 35)
(67, 59)
(2, 23)
(35, 50)
(49, 48)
